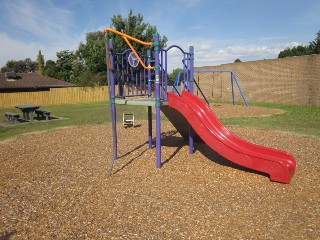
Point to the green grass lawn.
(297, 119)
(71, 115)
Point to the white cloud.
(14, 49)
(41, 19)
(36, 25)
(244, 51)
(213, 53)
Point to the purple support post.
(149, 95)
(113, 106)
(191, 79)
(156, 45)
(110, 76)
(121, 85)
(191, 70)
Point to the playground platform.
(146, 75)
(141, 102)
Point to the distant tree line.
(300, 50)
(20, 66)
(86, 66)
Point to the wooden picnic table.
(27, 111)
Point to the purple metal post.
(110, 73)
(191, 64)
(149, 95)
(164, 80)
(191, 79)
(156, 45)
(121, 84)
(113, 106)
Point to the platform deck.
(140, 102)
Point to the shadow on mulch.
(133, 126)
(213, 156)
(168, 139)
(131, 160)
(7, 123)
(8, 235)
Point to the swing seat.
(128, 119)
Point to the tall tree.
(40, 59)
(135, 27)
(68, 66)
(315, 45)
(50, 69)
(88, 78)
(92, 53)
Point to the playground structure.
(143, 80)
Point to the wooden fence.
(293, 80)
(55, 96)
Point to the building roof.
(31, 80)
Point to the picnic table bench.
(27, 111)
(42, 113)
(12, 116)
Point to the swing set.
(233, 81)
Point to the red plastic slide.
(278, 164)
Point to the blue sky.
(220, 30)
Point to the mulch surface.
(54, 185)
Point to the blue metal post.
(232, 88)
(241, 92)
(156, 45)
(149, 95)
(191, 65)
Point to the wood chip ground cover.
(54, 185)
